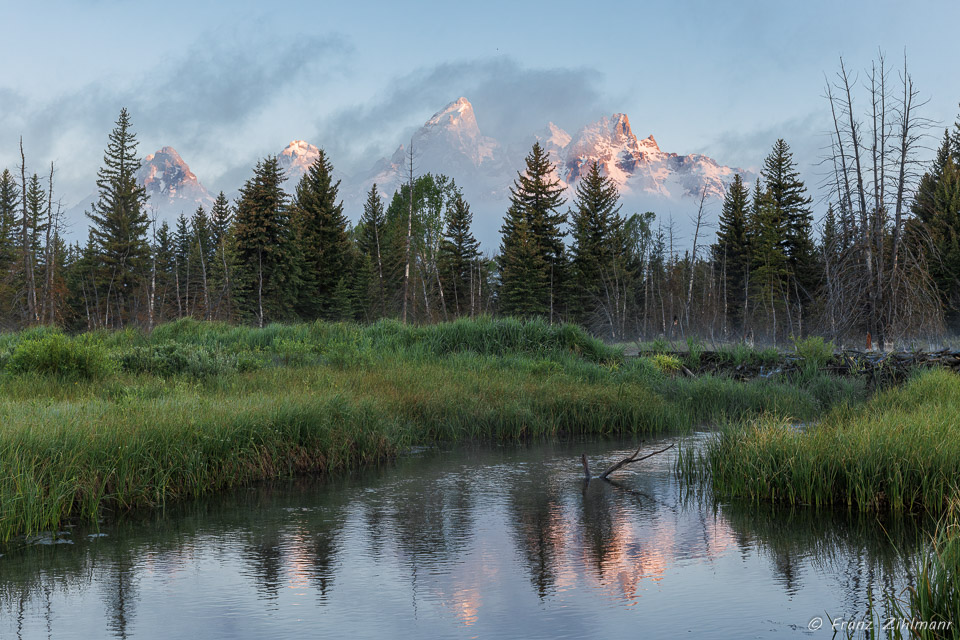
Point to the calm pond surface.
(486, 542)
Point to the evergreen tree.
(165, 305)
(221, 260)
(531, 248)
(119, 227)
(936, 228)
(324, 245)
(458, 256)
(788, 195)
(370, 242)
(9, 199)
(770, 271)
(266, 265)
(595, 221)
(524, 274)
(201, 255)
(731, 253)
(182, 239)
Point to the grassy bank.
(104, 422)
(900, 451)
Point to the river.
(469, 541)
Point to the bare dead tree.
(871, 268)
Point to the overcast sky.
(226, 83)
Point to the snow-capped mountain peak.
(296, 158)
(553, 138)
(170, 184)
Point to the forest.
(884, 260)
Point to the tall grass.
(901, 451)
(195, 407)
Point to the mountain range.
(451, 142)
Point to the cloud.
(511, 102)
(195, 100)
(807, 136)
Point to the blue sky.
(226, 83)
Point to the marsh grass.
(196, 407)
(899, 452)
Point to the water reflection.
(492, 541)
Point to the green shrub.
(171, 359)
(667, 365)
(56, 355)
(815, 351)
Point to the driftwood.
(618, 465)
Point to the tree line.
(886, 260)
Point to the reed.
(899, 452)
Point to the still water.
(485, 542)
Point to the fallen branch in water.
(617, 465)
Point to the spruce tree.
(182, 238)
(201, 256)
(324, 245)
(370, 242)
(119, 227)
(936, 228)
(770, 270)
(524, 274)
(267, 278)
(458, 256)
(531, 248)
(9, 199)
(164, 289)
(789, 196)
(731, 253)
(221, 261)
(595, 222)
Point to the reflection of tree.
(598, 523)
(536, 510)
(865, 553)
(118, 583)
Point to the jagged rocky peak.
(456, 115)
(164, 171)
(296, 158)
(169, 182)
(553, 137)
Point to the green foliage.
(324, 246)
(814, 351)
(59, 356)
(119, 223)
(531, 249)
(173, 359)
(668, 365)
(695, 349)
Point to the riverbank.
(106, 422)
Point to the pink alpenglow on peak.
(171, 186)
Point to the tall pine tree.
(118, 230)
(532, 266)
(324, 246)
(789, 197)
(370, 242)
(731, 253)
(266, 274)
(596, 229)
(458, 256)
